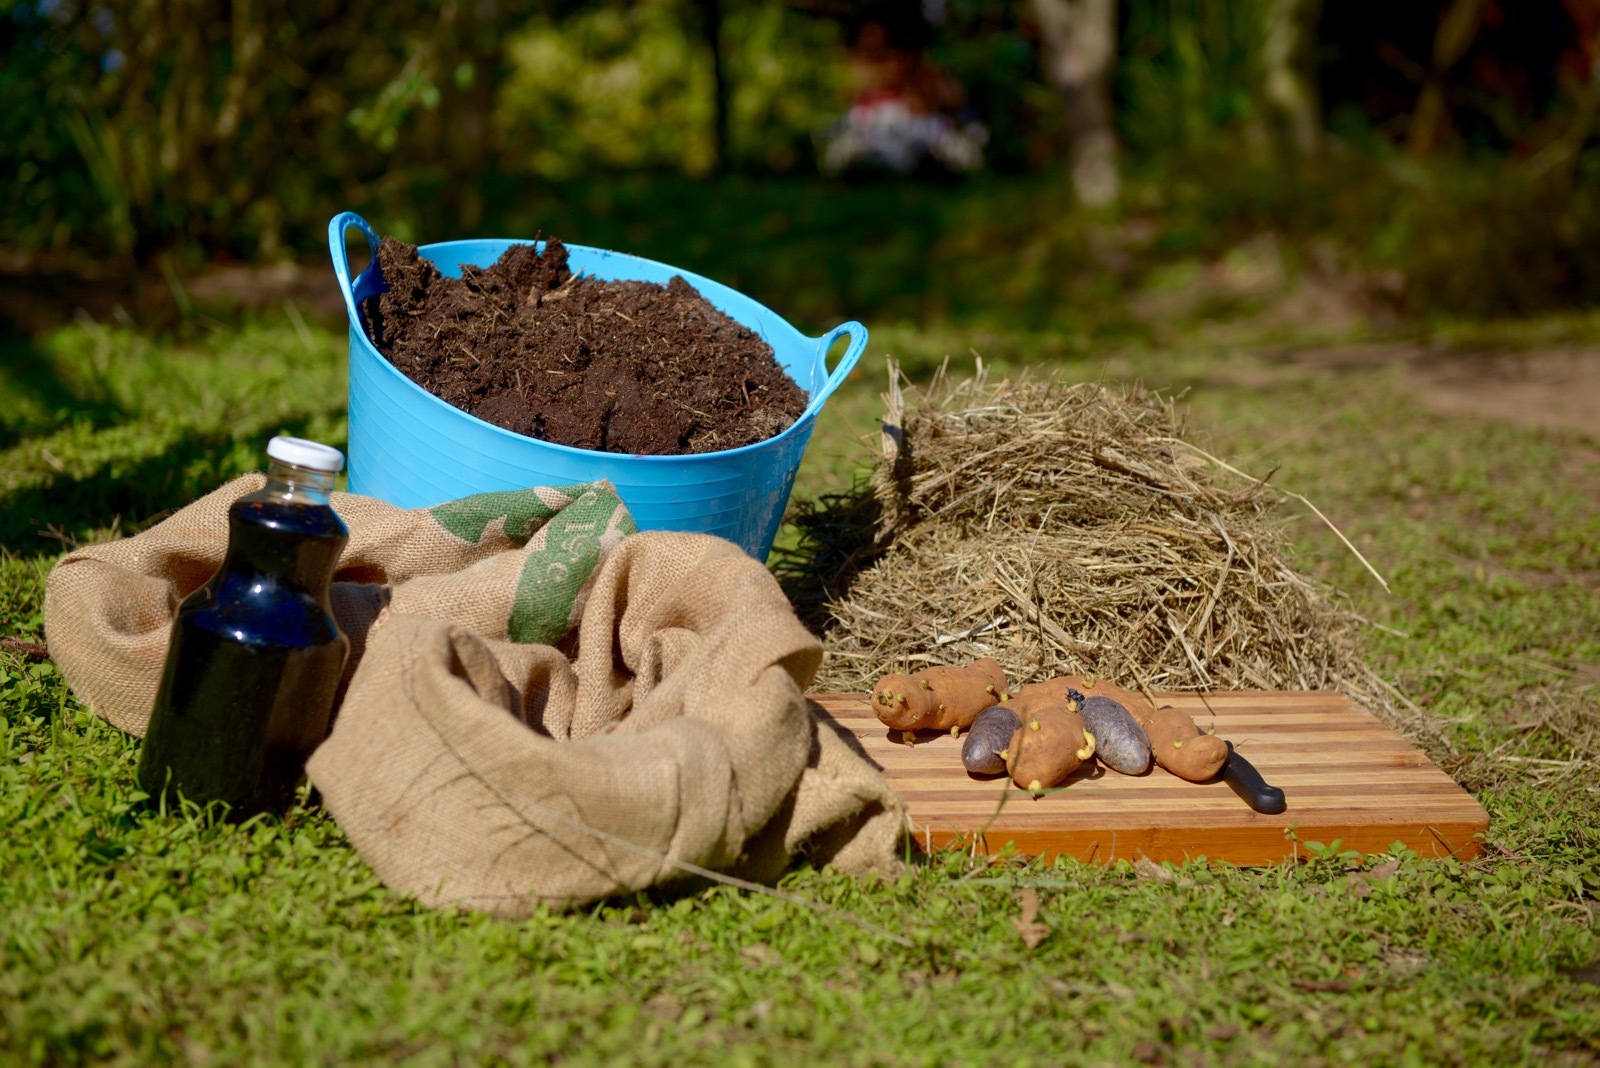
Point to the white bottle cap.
(303, 453)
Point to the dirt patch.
(1556, 389)
(628, 367)
(1552, 389)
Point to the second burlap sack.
(474, 764)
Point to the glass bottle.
(255, 655)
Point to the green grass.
(134, 937)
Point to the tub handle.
(846, 364)
(370, 282)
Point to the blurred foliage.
(817, 251)
(786, 77)
(133, 128)
(1490, 228)
(988, 46)
(608, 88)
(1490, 237)
(1473, 237)
(1189, 70)
(630, 88)
(130, 132)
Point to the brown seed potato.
(1051, 693)
(1181, 748)
(1137, 704)
(1050, 745)
(938, 698)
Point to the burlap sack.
(504, 564)
(472, 762)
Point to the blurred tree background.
(1442, 154)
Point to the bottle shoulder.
(271, 514)
(257, 613)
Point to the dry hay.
(1564, 717)
(1570, 713)
(1069, 529)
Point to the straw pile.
(1565, 716)
(1067, 529)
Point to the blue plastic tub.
(412, 449)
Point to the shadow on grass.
(31, 375)
(127, 493)
(838, 538)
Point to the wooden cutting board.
(1345, 775)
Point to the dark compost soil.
(612, 366)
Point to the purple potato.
(988, 736)
(1119, 741)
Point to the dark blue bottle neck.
(285, 534)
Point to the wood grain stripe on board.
(1346, 775)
